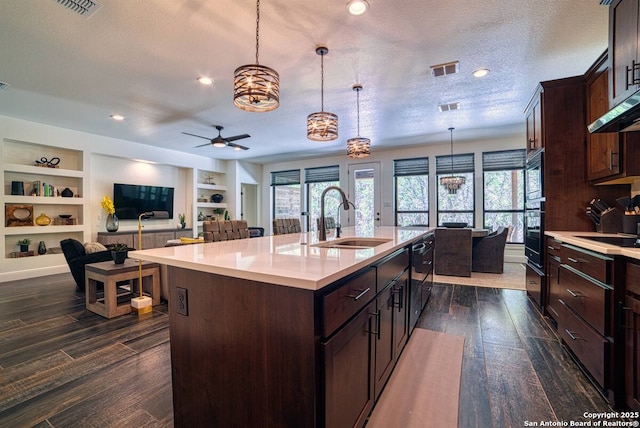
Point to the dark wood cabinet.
(349, 367)
(632, 351)
(631, 328)
(623, 50)
(384, 340)
(400, 313)
(534, 124)
(585, 311)
(603, 151)
(553, 267)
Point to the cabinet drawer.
(632, 279)
(339, 305)
(590, 264)
(586, 344)
(391, 267)
(587, 299)
(554, 247)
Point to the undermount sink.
(353, 243)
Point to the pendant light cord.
(358, 106)
(451, 131)
(321, 82)
(257, 29)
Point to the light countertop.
(572, 237)
(290, 260)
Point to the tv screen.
(131, 200)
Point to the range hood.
(624, 117)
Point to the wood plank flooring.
(63, 366)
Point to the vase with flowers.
(112, 220)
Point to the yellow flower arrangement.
(107, 205)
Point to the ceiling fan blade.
(199, 136)
(202, 145)
(237, 145)
(237, 137)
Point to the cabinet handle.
(572, 336)
(573, 294)
(630, 81)
(571, 259)
(552, 248)
(400, 293)
(361, 293)
(611, 164)
(376, 332)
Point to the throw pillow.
(93, 247)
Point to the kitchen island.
(278, 331)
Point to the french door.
(364, 193)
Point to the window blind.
(415, 166)
(322, 174)
(285, 178)
(461, 163)
(504, 160)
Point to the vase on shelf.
(43, 220)
(42, 248)
(112, 223)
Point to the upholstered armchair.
(452, 254)
(77, 257)
(488, 252)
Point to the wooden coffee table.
(117, 299)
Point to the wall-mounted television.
(131, 200)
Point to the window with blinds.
(411, 191)
(317, 180)
(286, 194)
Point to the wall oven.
(534, 210)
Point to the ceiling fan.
(220, 141)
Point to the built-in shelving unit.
(207, 184)
(65, 172)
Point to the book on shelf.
(41, 188)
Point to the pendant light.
(322, 126)
(452, 183)
(256, 88)
(358, 147)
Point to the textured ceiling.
(141, 59)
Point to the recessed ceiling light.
(205, 80)
(117, 117)
(357, 7)
(481, 72)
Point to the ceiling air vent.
(85, 8)
(449, 107)
(445, 69)
(3, 85)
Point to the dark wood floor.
(62, 366)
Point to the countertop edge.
(570, 237)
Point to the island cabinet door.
(400, 314)
(384, 339)
(349, 365)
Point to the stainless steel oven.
(534, 233)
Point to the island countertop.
(290, 260)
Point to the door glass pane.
(364, 200)
(286, 201)
(331, 202)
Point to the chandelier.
(452, 183)
(256, 88)
(358, 147)
(322, 126)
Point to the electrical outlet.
(182, 304)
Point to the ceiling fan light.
(237, 149)
(357, 7)
(219, 144)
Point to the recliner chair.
(77, 258)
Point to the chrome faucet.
(345, 202)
